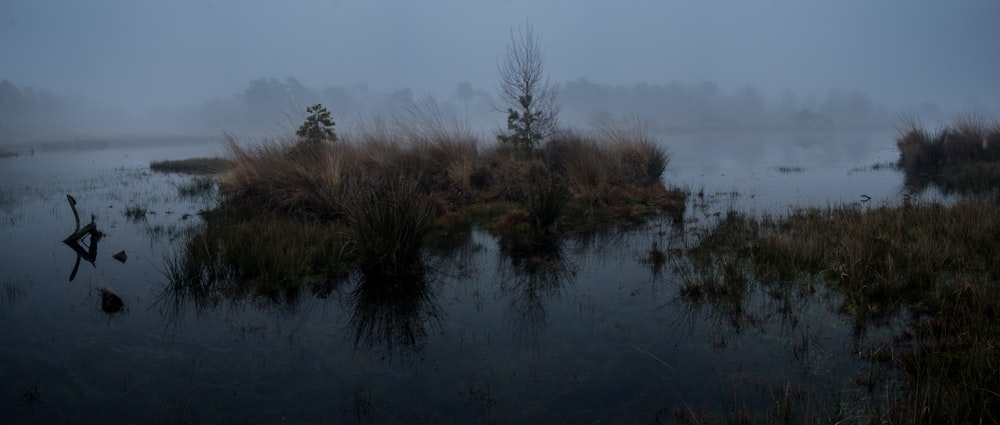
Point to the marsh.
(586, 330)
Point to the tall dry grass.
(970, 138)
(281, 176)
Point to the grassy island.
(963, 157)
(294, 211)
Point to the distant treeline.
(25, 112)
(271, 101)
(707, 105)
(271, 105)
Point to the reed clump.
(932, 266)
(962, 157)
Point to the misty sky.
(163, 53)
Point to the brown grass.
(970, 138)
(930, 266)
(961, 158)
(387, 186)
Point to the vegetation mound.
(963, 157)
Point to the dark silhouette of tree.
(318, 126)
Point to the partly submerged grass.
(198, 186)
(136, 212)
(934, 267)
(963, 157)
(786, 169)
(193, 165)
(234, 254)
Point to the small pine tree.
(523, 134)
(318, 127)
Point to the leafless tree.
(525, 92)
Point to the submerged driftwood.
(111, 303)
(89, 252)
(89, 229)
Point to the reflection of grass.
(232, 255)
(6, 197)
(931, 266)
(878, 166)
(12, 291)
(192, 165)
(361, 402)
(7, 154)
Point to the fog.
(102, 67)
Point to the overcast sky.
(146, 53)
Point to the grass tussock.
(963, 157)
(569, 184)
(933, 266)
(234, 255)
(197, 166)
(387, 217)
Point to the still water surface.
(598, 337)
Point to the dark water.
(596, 336)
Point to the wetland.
(769, 277)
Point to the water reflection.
(85, 249)
(528, 281)
(391, 314)
(969, 181)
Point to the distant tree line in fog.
(270, 106)
(25, 111)
(706, 105)
(584, 103)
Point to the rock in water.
(120, 256)
(110, 302)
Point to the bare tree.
(528, 98)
